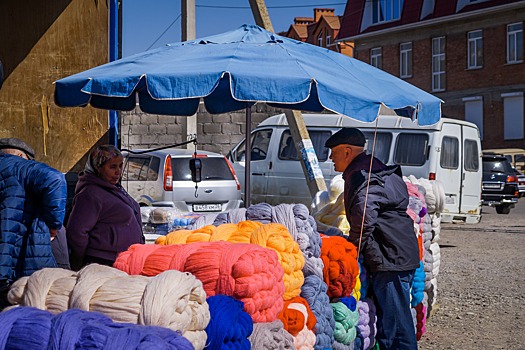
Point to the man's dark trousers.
(395, 325)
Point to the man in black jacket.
(376, 200)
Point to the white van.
(449, 151)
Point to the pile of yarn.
(173, 299)
(247, 272)
(31, 328)
(274, 236)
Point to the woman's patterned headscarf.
(99, 156)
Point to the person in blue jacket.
(376, 200)
(32, 208)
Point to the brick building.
(469, 53)
(320, 30)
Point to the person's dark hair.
(99, 156)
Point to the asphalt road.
(514, 222)
(480, 298)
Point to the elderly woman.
(104, 219)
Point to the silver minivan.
(163, 178)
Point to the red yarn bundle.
(340, 265)
(247, 272)
(293, 319)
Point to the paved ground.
(481, 285)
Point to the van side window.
(471, 155)
(287, 150)
(260, 141)
(382, 147)
(519, 162)
(449, 158)
(411, 149)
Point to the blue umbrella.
(233, 70)
(242, 66)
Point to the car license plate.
(491, 185)
(207, 207)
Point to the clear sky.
(147, 24)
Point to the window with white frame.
(475, 49)
(474, 112)
(320, 39)
(513, 115)
(328, 38)
(515, 43)
(375, 57)
(386, 10)
(438, 64)
(405, 60)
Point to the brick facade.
(494, 78)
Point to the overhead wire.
(164, 32)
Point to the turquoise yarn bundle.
(345, 323)
(230, 326)
(30, 328)
(418, 285)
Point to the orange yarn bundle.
(274, 236)
(293, 319)
(247, 272)
(340, 265)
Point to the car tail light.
(233, 173)
(168, 175)
(432, 176)
(512, 178)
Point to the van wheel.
(503, 209)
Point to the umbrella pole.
(248, 156)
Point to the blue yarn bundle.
(314, 290)
(230, 326)
(363, 277)
(30, 328)
(418, 285)
(350, 302)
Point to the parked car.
(521, 182)
(163, 178)
(500, 184)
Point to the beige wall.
(40, 42)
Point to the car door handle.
(258, 174)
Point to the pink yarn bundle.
(247, 272)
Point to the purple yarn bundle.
(31, 328)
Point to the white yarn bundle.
(328, 207)
(173, 299)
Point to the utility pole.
(188, 32)
(303, 144)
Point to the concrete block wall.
(215, 132)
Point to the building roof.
(414, 11)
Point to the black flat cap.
(18, 144)
(346, 136)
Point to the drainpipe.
(113, 55)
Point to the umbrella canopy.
(234, 70)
